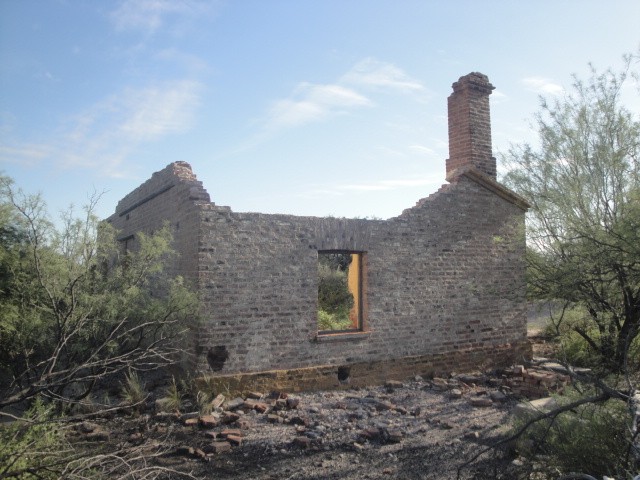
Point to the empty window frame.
(340, 291)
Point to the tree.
(583, 239)
(583, 231)
(76, 312)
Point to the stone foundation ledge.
(338, 377)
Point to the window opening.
(126, 244)
(339, 291)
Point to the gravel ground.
(421, 429)
(430, 445)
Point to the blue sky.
(281, 106)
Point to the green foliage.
(76, 309)
(332, 321)
(32, 447)
(593, 438)
(335, 301)
(583, 231)
(575, 350)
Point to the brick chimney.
(470, 125)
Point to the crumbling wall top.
(476, 81)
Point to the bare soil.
(415, 430)
(421, 429)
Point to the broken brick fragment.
(230, 431)
(220, 447)
(209, 421)
(230, 417)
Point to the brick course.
(443, 284)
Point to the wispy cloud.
(150, 15)
(310, 103)
(313, 102)
(498, 97)
(421, 149)
(542, 86)
(380, 75)
(370, 186)
(26, 154)
(104, 135)
(156, 111)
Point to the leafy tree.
(583, 236)
(583, 184)
(76, 312)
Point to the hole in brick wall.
(343, 373)
(216, 357)
(339, 291)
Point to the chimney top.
(470, 126)
(476, 81)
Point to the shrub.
(332, 321)
(33, 444)
(591, 439)
(333, 291)
(564, 327)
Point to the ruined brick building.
(438, 288)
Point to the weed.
(172, 402)
(591, 439)
(133, 390)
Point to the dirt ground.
(353, 439)
(419, 429)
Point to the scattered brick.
(209, 421)
(220, 447)
(393, 384)
(303, 442)
(293, 402)
(271, 418)
(480, 402)
(234, 404)
(230, 431)
(230, 417)
(218, 401)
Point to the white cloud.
(313, 102)
(26, 155)
(381, 75)
(150, 15)
(363, 187)
(106, 134)
(498, 97)
(421, 149)
(542, 86)
(310, 103)
(157, 111)
(371, 186)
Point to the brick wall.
(443, 282)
